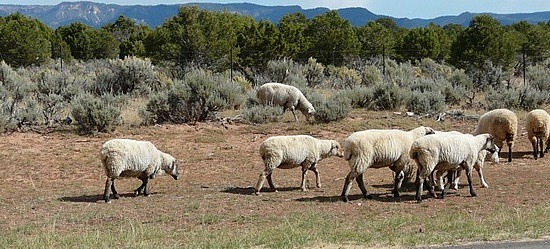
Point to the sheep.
(538, 131)
(287, 152)
(502, 124)
(377, 149)
(478, 166)
(444, 152)
(133, 158)
(286, 96)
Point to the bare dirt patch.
(55, 180)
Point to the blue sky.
(395, 8)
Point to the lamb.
(538, 131)
(478, 166)
(132, 158)
(502, 124)
(377, 149)
(444, 152)
(287, 152)
(286, 96)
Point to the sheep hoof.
(345, 199)
(116, 196)
(137, 192)
(368, 197)
(473, 194)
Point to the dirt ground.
(47, 177)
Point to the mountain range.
(98, 14)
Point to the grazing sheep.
(478, 166)
(286, 96)
(444, 152)
(538, 131)
(377, 149)
(132, 158)
(502, 124)
(287, 152)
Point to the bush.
(17, 108)
(55, 91)
(261, 114)
(336, 108)
(426, 102)
(502, 98)
(532, 98)
(343, 77)
(387, 97)
(196, 98)
(95, 114)
(360, 97)
(371, 76)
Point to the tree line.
(216, 40)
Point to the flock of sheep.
(435, 154)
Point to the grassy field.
(52, 194)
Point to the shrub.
(129, 76)
(196, 98)
(426, 102)
(95, 114)
(531, 98)
(314, 72)
(360, 97)
(17, 108)
(502, 98)
(371, 76)
(343, 77)
(387, 97)
(336, 108)
(261, 114)
(54, 91)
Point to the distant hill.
(99, 14)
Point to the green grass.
(300, 229)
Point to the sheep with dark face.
(132, 158)
(287, 152)
(288, 97)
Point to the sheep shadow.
(96, 198)
(515, 155)
(251, 190)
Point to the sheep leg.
(509, 153)
(108, 186)
(361, 184)
(317, 177)
(481, 178)
(347, 185)
(144, 181)
(304, 173)
(447, 185)
(429, 185)
(419, 186)
(541, 142)
(397, 183)
(265, 174)
(469, 176)
(270, 182)
(456, 178)
(294, 113)
(535, 144)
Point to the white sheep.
(502, 124)
(288, 97)
(132, 158)
(444, 152)
(287, 152)
(538, 131)
(377, 149)
(478, 166)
